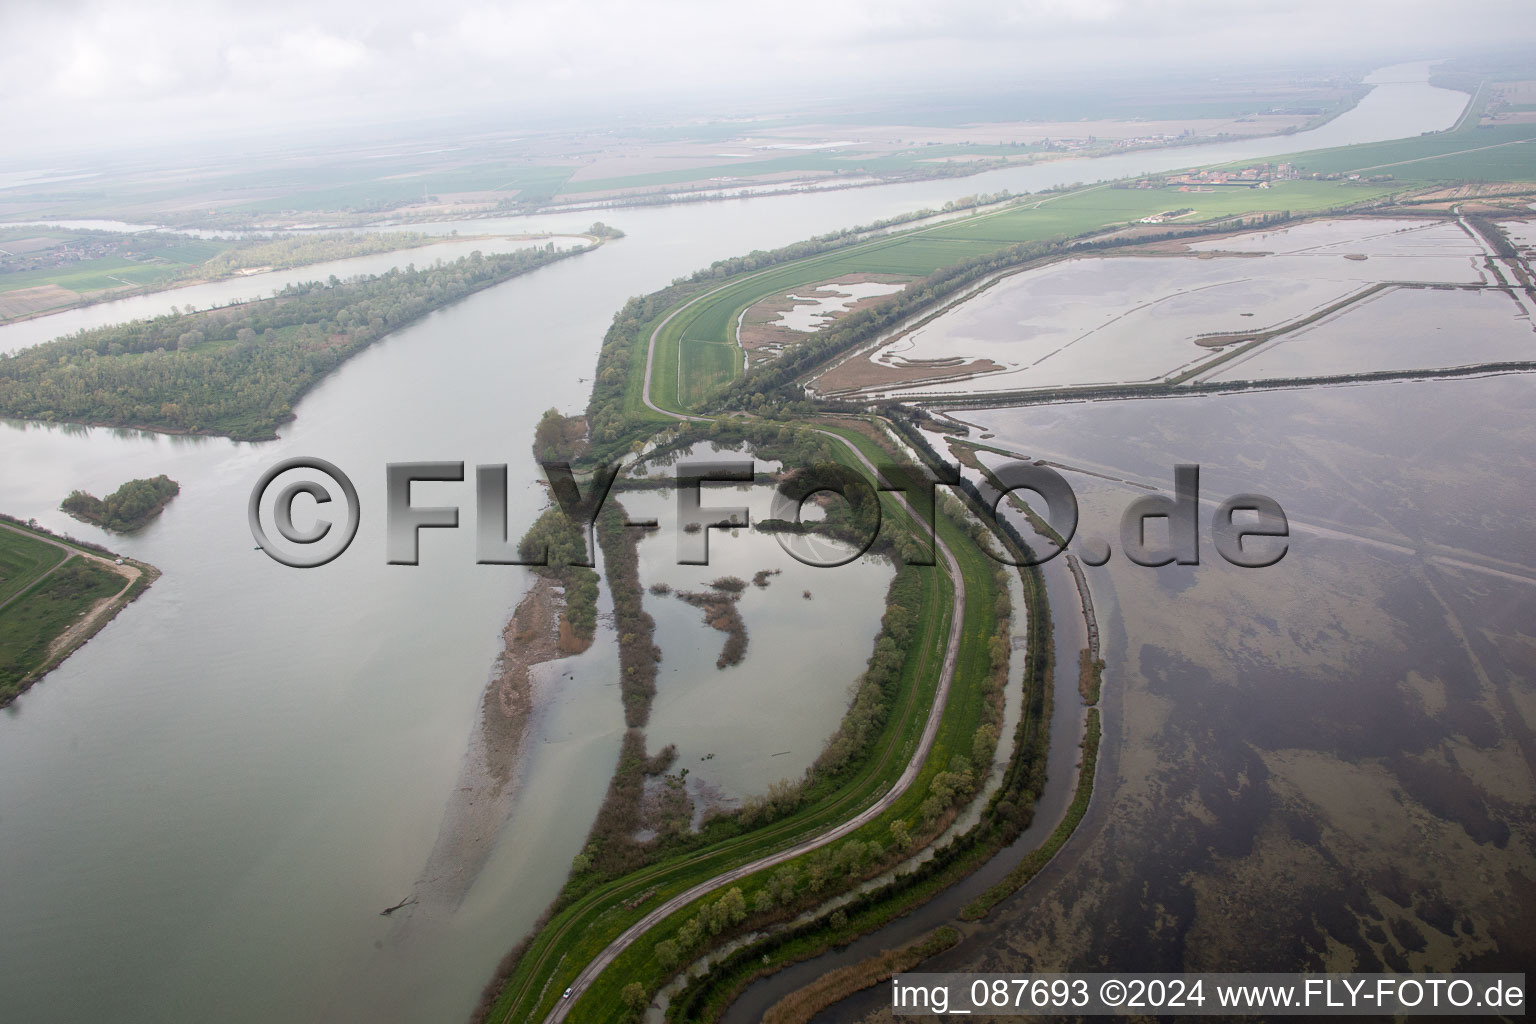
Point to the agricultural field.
(709, 365)
(50, 269)
(42, 268)
(492, 184)
(1503, 152)
(95, 275)
(23, 560)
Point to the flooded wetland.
(1325, 297)
(740, 727)
(1328, 762)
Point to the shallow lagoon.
(1402, 329)
(766, 718)
(813, 312)
(1102, 320)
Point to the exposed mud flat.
(863, 373)
(770, 325)
(483, 798)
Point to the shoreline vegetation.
(801, 1006)
(780, 895)
(720, 612)
(127, 509)
(555, 618)
(237, 370)
(777, 895)
(707, 999)
(56, 593)
(563, 548)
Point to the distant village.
(43, 253)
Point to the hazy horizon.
(90, 75)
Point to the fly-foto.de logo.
(1247, 530)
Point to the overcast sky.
(105, 71)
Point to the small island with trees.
(126, 509)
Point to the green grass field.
(93, 275)
(533, 182)
(29, 625)
(382, 193)
(191, 251)
(710, 364)
(1502, 152)
(22, 560)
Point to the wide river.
(203, 811)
